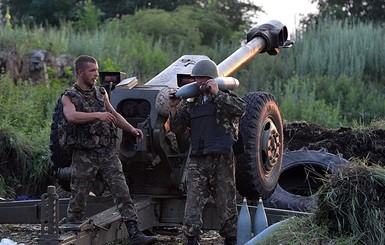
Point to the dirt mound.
(366, 144)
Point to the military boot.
(136, 236)
(193, 240)
(230, 241)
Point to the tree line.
(53, 12)
(237, 12)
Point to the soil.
(362, 145)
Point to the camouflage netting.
(351, 202)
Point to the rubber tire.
(321, 161)
(256, 176)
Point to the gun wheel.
(259, 149)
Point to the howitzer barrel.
(269, 37)
(240, 57)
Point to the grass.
(25, 118)
(350, 210)
(304, 231)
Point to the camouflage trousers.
(211, 175)
(86, 164)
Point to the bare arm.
(78, 117)
(122, 123)
(110, 116)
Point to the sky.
(288, 12)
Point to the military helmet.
(205, 68)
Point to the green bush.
(299, 102)
(356, 98)
(25, 119)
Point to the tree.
(88, 16)
(186, 25)
(116, 8)
(366, 10)
(238, 12)
(42, 11)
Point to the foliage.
(313, 76)
(24, 162)
(24, 39)
(303, 230)
(370, 10)
(169, 27)
(334, 48)
(130, 51)
(377, 124)
(53, 12)
(88, 16)
(186, 26)
(119, 8)
(116, 8)
(340, 59)
(349, 210)
(25, 118)
(109, 65)
(350, 202)
(300, 102)
(5, 189)
(239, 13)
(346, 92)
(14, 153)
(49, 12)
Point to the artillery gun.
(155, 167)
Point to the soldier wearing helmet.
(213, 121)
(205, 68)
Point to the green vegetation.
(25, 119)
(54, 12)
(336, 65)
(334, 69)
(350, 202)
(349, 211)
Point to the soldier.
(213, 119)
(91, 133)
